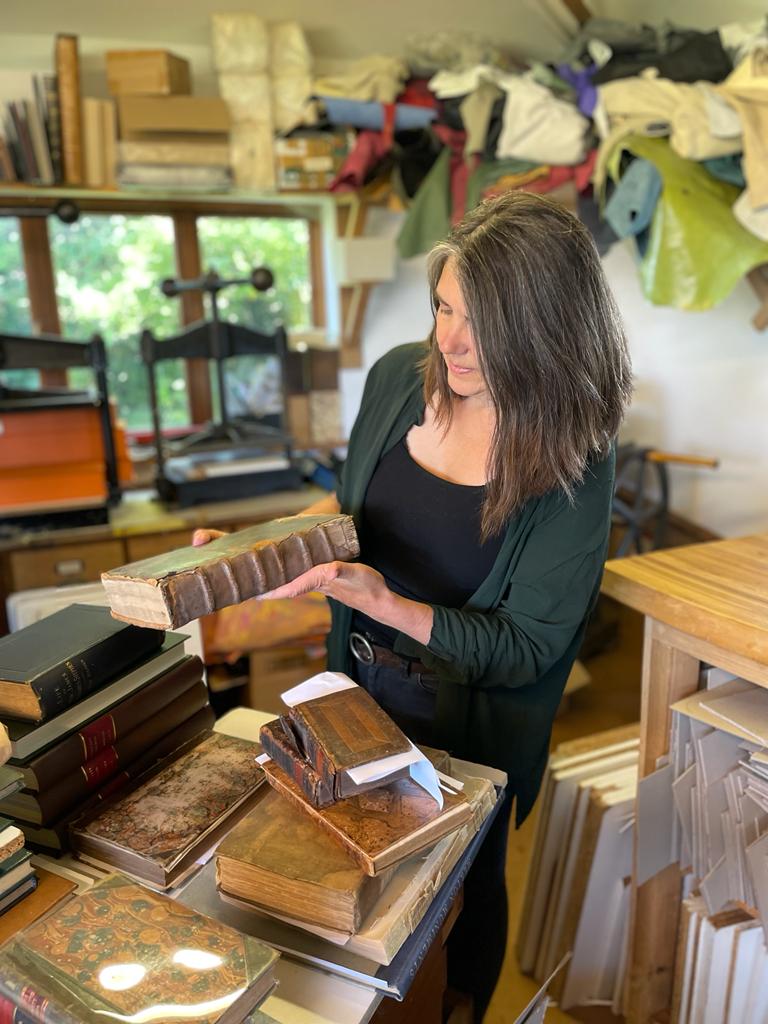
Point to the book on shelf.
(56, 835)
(67, 67)
(169, 590)
(383, 826)
(93, 143)
(320, 740)
(54, 663)
(83, 972)
(28, 738)
(35, 120)
(24, 149)
(14, 871)
(43, 807)
(174, 813)
(7, 166)
(76, 748)
(50, 93)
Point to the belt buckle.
(361, 649)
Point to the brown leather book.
(50, 803)
(56, 835)
(320, 739)
(168, 590)
(51, 890)
(278, 860)
(174, 813)
(383, 826)
(67, 63)
(65, 757)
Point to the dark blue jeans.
(479, 937)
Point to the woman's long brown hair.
(550, 345)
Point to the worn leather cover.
(118, 932)
(195, 581)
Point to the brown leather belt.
(368, 653)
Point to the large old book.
(29, 738)
(55, 836)
(279, 860)
(54, 663)
(122, 952)
(58, 761)
(11, 840)
(67, 64)
(319, 740)
(157, 831)
(169, 590)
(47, 805)
(382, 826)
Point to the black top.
(422, 533)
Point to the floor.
(611, 699)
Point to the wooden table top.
(716, 591)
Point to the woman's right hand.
(200, 537)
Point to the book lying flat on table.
(168, 590)
(54, 663)
(55, 836)
(29, 738)
(319, 740)
(47, 805)
(382, 826)
(120, 951)
(158, 830)
(75, 749)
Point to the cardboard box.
(146, 117)
(147, 72)
(310, 161)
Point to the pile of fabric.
(659, 133)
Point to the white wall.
(701, 385)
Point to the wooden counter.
(703, 603)
(141, 526)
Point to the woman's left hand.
(364, 589)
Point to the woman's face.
(455, 340)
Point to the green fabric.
(504, 658)
(488, 172)
(429, 216)
(697, 251)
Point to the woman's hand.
(200, 537)
(364, 589)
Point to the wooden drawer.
(156, 544)
(66, 563)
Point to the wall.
(701, 384)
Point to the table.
(702, 603)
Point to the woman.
(480, 474)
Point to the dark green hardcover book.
(54, 663)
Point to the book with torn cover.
(173, 813)
(171, 589)
(121, 951)
(382, 826)
(319, 740)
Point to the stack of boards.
(577, 891)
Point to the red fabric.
(369, 149)
(581, 174)
(416, 92)
(460, 167)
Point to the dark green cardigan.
(503, 659)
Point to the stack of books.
(17, 876)
(90, 702)
(577, 892)
(120, 951)
(352, 860)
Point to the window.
(108, 269)
(14, 302)
(233, 246)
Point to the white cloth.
(289, 50)
(240, 43)
(754, 220)
(372, 78)
(746, 89)
(249, 97)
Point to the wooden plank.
(188, 264)
(316, 274)
(41, 287)
(754, 671)
(668, 675)
(578, 9)
(717, 592)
